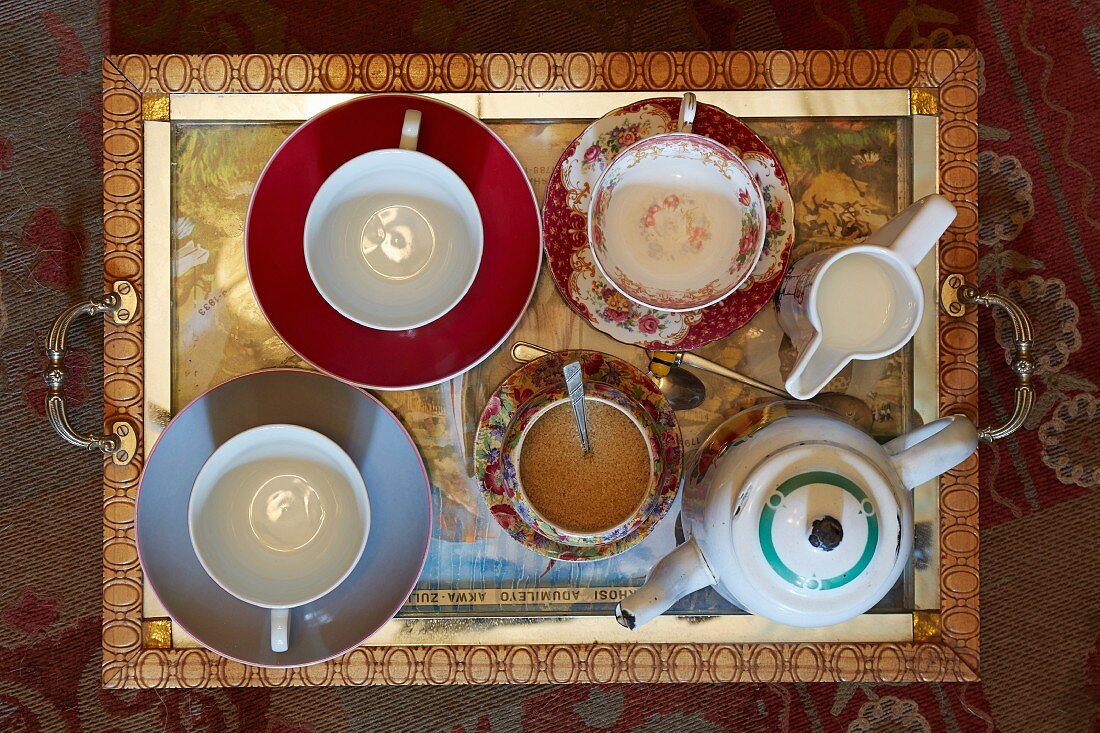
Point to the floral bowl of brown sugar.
(550, 495)
(576, 497)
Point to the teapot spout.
(678, 573)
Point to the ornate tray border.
(942, 81)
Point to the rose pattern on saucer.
(597, 146)
(616, 308)
(497, 476)
(565, 225)
(608, 145)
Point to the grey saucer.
(396, 546)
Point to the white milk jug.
(860, 302)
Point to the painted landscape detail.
(218, 330)
(844, 182)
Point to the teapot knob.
(826, 533)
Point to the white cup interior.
(393, 239)
(279, 515)
(667, 220)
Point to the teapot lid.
(817, 531)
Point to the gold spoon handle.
(524, 351)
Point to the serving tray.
(860, 133)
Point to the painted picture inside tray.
(218, 329)
(845, 181)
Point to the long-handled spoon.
(685, 391)
(853, 408)
(682, 389)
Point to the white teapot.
(794, 514)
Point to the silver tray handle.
(955, 295)
(120, 443)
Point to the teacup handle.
(410, 130)
(687, 113)
(280, 629)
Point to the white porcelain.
(400, 512)
(861, 302)
(393, 238)
(278, 517)
(796, 515)
(676, 221)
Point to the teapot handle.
(932, 449)
(678, 573)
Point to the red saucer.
(419, 357)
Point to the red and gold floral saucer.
(527, 383)
(565, 226)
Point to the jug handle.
(678, 573)
(813, 370)
(916, 229)
(932, 449)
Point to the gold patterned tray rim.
(137, 89)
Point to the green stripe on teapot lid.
(826, 534)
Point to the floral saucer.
(508, 402)
(565, 227)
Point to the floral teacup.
(677, 221)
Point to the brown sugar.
(581, 493)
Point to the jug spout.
(813, 370)
(678, 573)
